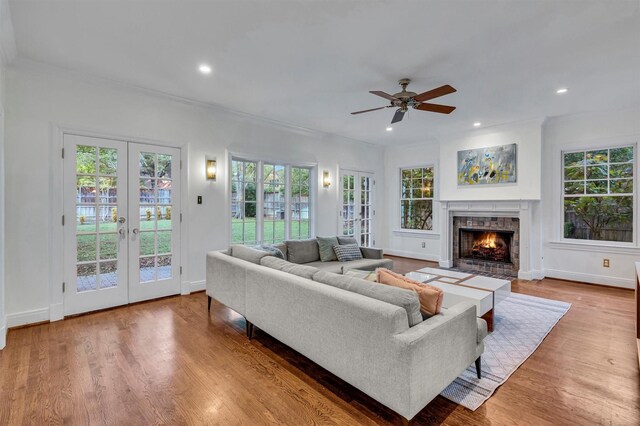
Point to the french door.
(121, 237)
(357, 192)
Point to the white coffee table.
(484, 292)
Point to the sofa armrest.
(371, 253)
(439, 349)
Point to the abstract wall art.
(496, 164)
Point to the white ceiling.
(310, 63)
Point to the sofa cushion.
(271, 249)
(303, 271)
(247, 253)
(430, 296)
(359, 273)
(347, 252)
(405, 299)
(283, 249)
(325, 247)
(302, 251)
(364, 264)
(347, 240)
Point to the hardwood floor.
(168, 361)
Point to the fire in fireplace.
(493, 246)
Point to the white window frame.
(433, 199)
(599, 145)
(313, 170)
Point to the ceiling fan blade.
(383, 94)
(397, 116)
(435, 93)
(368, 110)
(442, 109)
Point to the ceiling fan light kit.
(403, 100)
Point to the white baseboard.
(445, 264)
(198, 286)
(27, 317)
(589, 278)
(56, 312)
(412, 255)
(3, 336)
(530, 275)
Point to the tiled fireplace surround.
(493, 215)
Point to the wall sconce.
(326, 182)
(211, 169)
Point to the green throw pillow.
(325, 244)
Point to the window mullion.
(287, 202)
(259, 202)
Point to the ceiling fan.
(403, 100)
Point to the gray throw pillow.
(347, 240)
(347, 252)
(325, 246)
(247, 253)
(271, 249)
(303, 251)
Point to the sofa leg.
(478, 368)
(249, 329)
(209, 303)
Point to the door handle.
(121, 219)
(121, 232)
(135, 231)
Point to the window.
(416, 198)
(598, 194)
(282, 195)
(243, 201)
(300, 202)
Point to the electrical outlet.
(469, 222)
(199, 200)
(424, 245)
(605, 263)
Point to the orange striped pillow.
(430, 296)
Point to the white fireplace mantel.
(530, 241)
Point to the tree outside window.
(416, 198)
(598, 192)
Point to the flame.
(489, 241)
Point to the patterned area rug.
(521, 322)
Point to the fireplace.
(486, 244)
(493, 246)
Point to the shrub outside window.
(416, 198)
(598, 194)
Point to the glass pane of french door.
(95, 246)
(154, 205)
(357, 206)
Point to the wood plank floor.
(169, 362)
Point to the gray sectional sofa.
(370, 335)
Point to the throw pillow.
(347, 240)
(358, 273)
(247, 253)
(430, 296)
(325, 245)
(303, 251)
(347, 252)
(303, 271)
(271, 249)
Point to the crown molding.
(23, 64)
(8, 50)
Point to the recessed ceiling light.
(389, 129)
(561, 91)
(205, 69)
(477, 124)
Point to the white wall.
(527, 135)
(37, 100)
(3, 328)
(408, 243)
(576, 261)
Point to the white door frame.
(56, 185)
